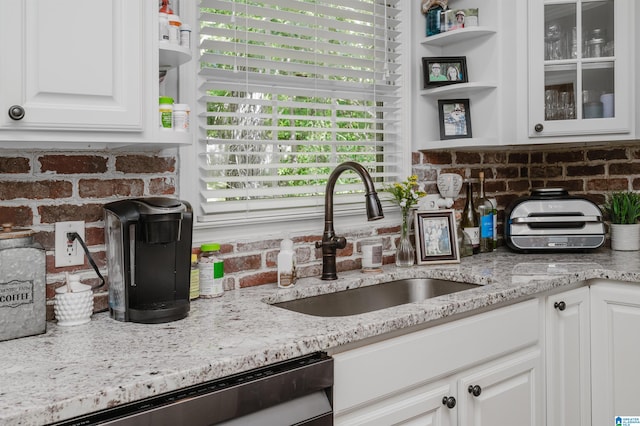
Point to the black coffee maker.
(148, 244)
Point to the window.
(293, 88)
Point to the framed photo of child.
(436, 240)
(455, 118)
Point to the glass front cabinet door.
(580, 55)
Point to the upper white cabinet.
(580, 69)
(72, 65)
(77, 73)
(487, 49)
(540, 71)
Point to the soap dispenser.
(286, 264)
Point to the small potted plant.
(623, 211)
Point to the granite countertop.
(70, 371)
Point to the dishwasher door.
(293, 392)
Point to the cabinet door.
(422, 406)
(579, 67)
(505, 393)
(568, 358)
(72, 64)
(615, 345)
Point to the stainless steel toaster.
(552, 220)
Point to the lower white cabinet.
(421, 406)
(592, 347)
(424, 378)
(568, 366)
(615, 351)
(496, 368)
(507, 392)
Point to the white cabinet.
(580, 69)
(75, 65)
(568, 361)
(615, 345)
(506, 392)
(591, 359)
(421, 406)
(426, 374)
(80, 73)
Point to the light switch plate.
(68, 253)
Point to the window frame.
(256, 229)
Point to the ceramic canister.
(22, 284)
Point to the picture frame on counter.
(455, 118)
(436, 240)
(444, 70)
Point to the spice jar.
(166, 112)
(194, 278)
(211, 271)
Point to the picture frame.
(455, 118)
(455, 19)
(436, 237)
(444, 70)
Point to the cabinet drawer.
(382, 368)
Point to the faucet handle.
(333, 242)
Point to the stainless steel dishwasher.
(292, 392)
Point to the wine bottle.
(485, 219)
(469, 221)
(494, 202)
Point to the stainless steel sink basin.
(374, 297)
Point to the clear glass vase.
(405, 253)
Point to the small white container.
(73, 304)
(181, 117)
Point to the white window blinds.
(290, 89)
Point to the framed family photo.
(455, 118)
(436, 240)
(443, 70)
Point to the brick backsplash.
(38, 189)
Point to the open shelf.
(458, 89)
(173, 55)
(455, 36)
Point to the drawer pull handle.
(449, 401)
(560, 306)
(538, 128)
(475, 390)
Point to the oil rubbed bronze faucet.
(330, 243)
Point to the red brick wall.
(38, 189)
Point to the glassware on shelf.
(553, 42)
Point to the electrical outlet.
(69, 253)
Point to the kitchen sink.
(374, 297)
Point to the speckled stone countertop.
(70, 371)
